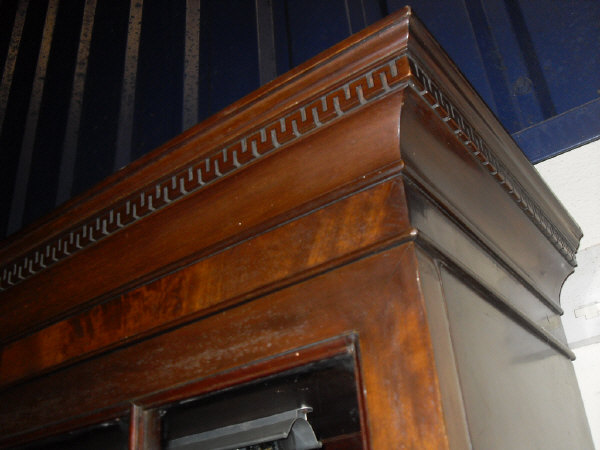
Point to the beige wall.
(573, 176)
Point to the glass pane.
(112, 435)
(328, 387)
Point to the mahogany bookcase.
(361, 234)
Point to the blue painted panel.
(229, 51)
(356, 15)
(374, 10)
(303, 28)
(450, 24)
(530, 60)
(561, 133)
(159, 81)
(565, 36)
(13, 128)
(505, 65)
(314, 26)
(551, 63)
(507, 108)
(102, 95)
(47, 151)
(283, 55)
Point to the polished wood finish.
(144, 431)
(278, 259)
(349, 207)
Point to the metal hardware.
(288, 430)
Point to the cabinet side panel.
(518, 391)
(437, 316)
(464, 186)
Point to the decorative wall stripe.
(191, 64)
(126, 110)
(391, 75)
(348, 20)
(33, 113)
(424, 85)
(69, 151)
(11, 57)
(265, 32)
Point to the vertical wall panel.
(191, 69)
(281, 28)
(102, 95)
(267, 65)
(70, 141)
(17, 209)
(505, 65)
(54, 110)
(315, 26)
(9, 39)
(11, 136)
(498, 74)
(8, 9)
(450, 24)
(128, 87)
(374, 10)
(229, 48)
(158, 99)
(356, 15)
(9, 59)
(305, 28)
(565, 40)
(537, 82)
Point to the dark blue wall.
(534, 62)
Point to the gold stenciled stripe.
(71, 140)
(191, 64)
(387, 77)
(439, 102)
(127, 107)
(11, 57)
(19, 195)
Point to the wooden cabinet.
(359, 236)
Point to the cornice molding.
(391, 75)
(310, 116)
(438, 101)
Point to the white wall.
(573, 176)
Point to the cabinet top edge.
(400, 35)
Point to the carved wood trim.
(429, 91)
(388, 76)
